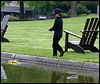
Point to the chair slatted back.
(83, 35)
(90, 32)
(94, 36)
(4, 24)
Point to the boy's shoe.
(54, 55)
(61, 54)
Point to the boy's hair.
(60, 14)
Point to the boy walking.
(58, 29)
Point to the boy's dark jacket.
(57, 27)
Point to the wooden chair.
(4, 28)
(89, 35)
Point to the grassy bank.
(33, 38)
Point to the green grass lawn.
(33, 38)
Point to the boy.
(58, 29)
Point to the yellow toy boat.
(12, 62)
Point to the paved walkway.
(51, 61)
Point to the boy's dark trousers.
(56, 46)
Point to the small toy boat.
(13, 62)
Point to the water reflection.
(72, 78)
(21, 74)
(3, 74)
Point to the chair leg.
(66, 42)
(94, 49)
(4, 40)
(77, 48)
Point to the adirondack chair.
(89, 35)
(4, 28)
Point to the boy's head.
(56, 12)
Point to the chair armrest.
(72, 33)
(89, 31)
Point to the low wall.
(51, 61)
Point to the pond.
(38, 73)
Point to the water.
(37, 73)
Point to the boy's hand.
(49, 29)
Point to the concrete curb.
(51, 61)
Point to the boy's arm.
(54, 26)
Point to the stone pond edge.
(51, 61)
